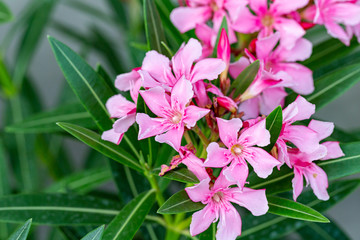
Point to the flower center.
(176, 117)
(267, 20)
(214, 6)
(217, 196)
(237, 149)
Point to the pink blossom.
(332, 13)
(173, 114)
(240, 149)
(269, 19)
(125, 111)
(129, 82)
(218, 198)
(207, 36)
(223, 52)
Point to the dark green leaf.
(22, 232)
(108, 149)
(209, 234)
(95, 234)
(103, 73)
(5, 14)
(4, 186)
(329, 231)
(153, 27)
(182, 175)
(179, 203)
(246, 77)
(58, 209)
(287, 208)
(274, 125)
(130, 218)
(45, 122)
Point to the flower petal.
(181, 94)
(253, 200)
(228, 130)
(208, 69)
(285, 6)
(297, 182)
(302, 137)
(229, 226)
(333, 150)
(155, 99)
(202, 220)
(158, 66)
(290, 32)
(112, 136)
(255, 135)
(262, 162)
(298, 110)
(323, 129)
(199, 192)
(149, 127)
(119, 107)
(318, 181)
(265, 46)
(186, 18)
(193, 114)
(237, 173)
(247, 22)
(217, 156)
(122, 124)
(172, 137)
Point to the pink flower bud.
(223, 49)
(227, 103)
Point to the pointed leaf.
(22, 232)
(5, 14)
(287, 208)
(181, 175)
(130, 218)
(95, 234)
(246, 77)
(274, 125)
(108, 149)
(329, 231)
(179, 203)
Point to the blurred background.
(93, 29)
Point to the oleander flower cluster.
(192, 96)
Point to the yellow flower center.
(267, 20)
(237, 149)
(217, 196)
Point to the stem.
(201, 135)
(187, 137)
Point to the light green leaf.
(287, 208)
(130, 218)
(274, 125)
(108, 149)
(179, 203)
(58, 209)
(45, 122)
(246, 77)
(22, 232)
(5, 14)
(181, 175)
(95, 234)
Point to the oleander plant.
(198, 120)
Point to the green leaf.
(130, 218)
(280, 181)
(209, 234)
(259, 227)
(4, 185)
(5, 14)
(91, 89)
(246, 77)
(274, 125)
(95, 234)
(287, 208)
(103, 73)
(181, 175)
(108, 149)
(179, 203)
(45, 122)
(329, 231)
(153, 27)
(58, 209)
(22, 232)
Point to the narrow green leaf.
(287, 208)
(130, 218)
(5, 14)
(95, 234)
(103, 73)
(22, 232)
(4, 185)
(58, 209)
(329, 231)
(274, 125)
(246, 77)
(179, 203)
(91, 89)
(108, 149)
(45, 122)
(181, 175)
(153, 27)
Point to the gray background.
(344, 111)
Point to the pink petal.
(253, 200)
(148, 81)
(283, 155)
(202, 220)
(318, 181)
(323, 129)
(255, 135)
(195, 165)
(222, 182)
(271, 98)
(193, 114)
(258, 6)
(204, 33)
(155, 99)
(199, 192)
(262, 162)
(346, 13)
(337, 31)
(149, 127)
(234, 7)
(265, 46)
(228, 130)
(201, 97)
(112, 136)
(237, 67)
(300, 52)
(158, 66)
(250, 108)
(297, 182)
(122, 124)
(216, 156)
(181, 94)
(247, 22)
(302, 137)
(237, 173)
(125, 81)
(209, 69)
(186, 18)
(229, 226)
(290, 32)
(173, 137)
(333, 150)
(285, 6)
(304, 110)
(119, 107)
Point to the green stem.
(201, 135)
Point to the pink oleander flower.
(218, 198)
(207, 36)
(157, 70)
(354, 30)
(273, 18)
(125, 111)
(332, 13)
(240, 149)
(199, 12)
(302, 137)
(223, 52)
(173, 113)
(129, 82)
